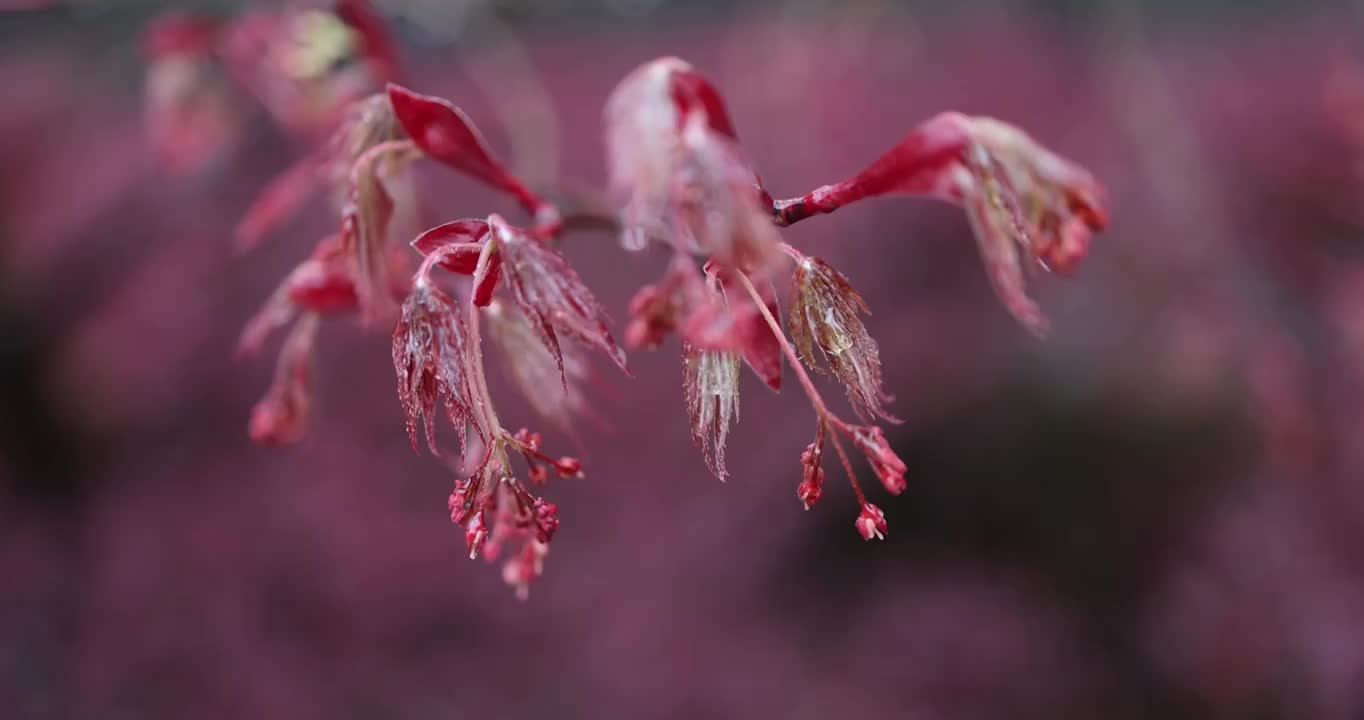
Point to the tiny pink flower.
(889, 468)
(811, 487)
(871, 523)
(475, 533)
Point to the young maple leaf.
(534, 370)
(1025, 199)
(710, 387)
(548, 291)
(677, 169)
(459, 243)
(445, 134)
(365, 221)
(1020, 197)
(826, 314)
(430, 356)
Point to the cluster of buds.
(683, 184)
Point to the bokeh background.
(1158, 512)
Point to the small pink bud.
(546, 520)
(530, 439)
(889, 468)
(569, 467)
(811, 487)
(476, 533)
(871, 523)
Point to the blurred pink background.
(1158, 512)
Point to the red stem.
(821, 409)
(914, 166)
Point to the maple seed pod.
(871, 522)
(826, 314)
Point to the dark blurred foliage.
(1156, 513)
